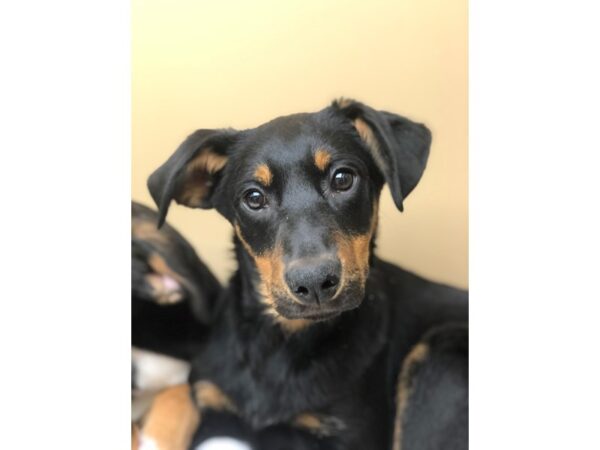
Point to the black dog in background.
(173, 291)
(317, 335)
(173, 297)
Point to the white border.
(65, 150)
(534, 146)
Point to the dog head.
(302, 195)
(164, 267)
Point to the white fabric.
(223, 443)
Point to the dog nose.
(313, 282)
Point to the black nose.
(313, 281)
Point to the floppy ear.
(190, 175)
(399, 146)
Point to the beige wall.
(204, 64)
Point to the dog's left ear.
(399, 146)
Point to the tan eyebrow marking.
(263, 175)
(322, 159)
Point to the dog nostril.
(330, 282)
(301, 290)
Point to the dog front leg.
(432, 393)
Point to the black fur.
(176, 329)
(441, 379)
(344, 366)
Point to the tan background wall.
(205, 64)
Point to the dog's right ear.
(191, 174)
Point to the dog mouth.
(349, 299)
(317, 316)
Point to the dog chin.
(291, 310)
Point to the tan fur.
(293, 325)
(194, 194)
(135, 437)
(403, 390)
(163, 296)
(307, 421)
(354, 252)
(344, 102)
(270, 268)
(198, 173)
(172, 419)
(367, 135)
(209, 396)
(160, 266)
(147, 231)
(322, 159)
(207, 161)
(319, 425)
(263, 175)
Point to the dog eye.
(255, 199)
(342, 180)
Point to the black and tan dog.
(173, 295)
(316, 332)
(173, 291)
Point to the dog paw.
(320, 424)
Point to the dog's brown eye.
(342, 180)
(255, 199)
